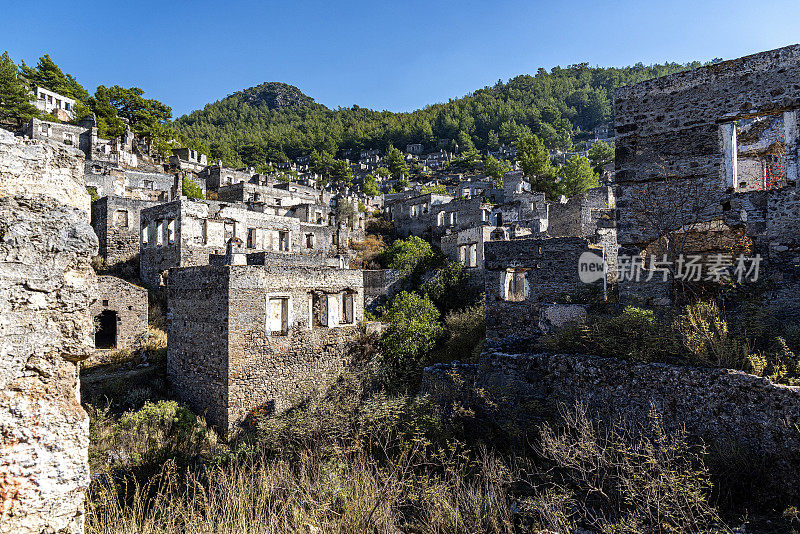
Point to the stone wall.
(128, 302)
(720, 406)
(543, 271)
(46, 286)
(117, 223)
(379, 286)
(258, 366)
(674, 160)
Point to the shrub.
(407, 255)
(413, 330)
(190, 189)
(465, 330)
(630, 479)
(705, 335)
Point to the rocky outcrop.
(46, 287)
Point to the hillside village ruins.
(264, 304)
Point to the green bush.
(413, 330)
(190, 189)
(407, 255)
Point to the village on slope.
(242, 294)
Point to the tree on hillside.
(48, 75)
(15, 102)
(190, 189)
(494, 167)
(109, 125)
(395, 162)
(370, 187)
(143, 114)
(601, 154)
(341, 173)
(322, 162)
(413, 330)
(408, 254)
(577, 177)
(534, 159)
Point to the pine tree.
(15, 104)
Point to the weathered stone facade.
(721, 406)
(120, 314)
(676, 150)
(709, 152)
(46, 286)
(247, 338)
(522, 275)
(186, 232)
(117, 223)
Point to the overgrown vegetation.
(701, 334)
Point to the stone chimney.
(235, 252)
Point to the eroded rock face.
(46, 287)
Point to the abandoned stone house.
(273, 199)
(525, 276)
(84, 137)
(117, 223)
(711, 153)
(245, 340)
(49, 101)
(119, 313)
(186, 232)
(216, 176)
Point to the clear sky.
(397, 55)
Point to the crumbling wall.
(46, 286)
(117, 223)
(549, 270)
(129, 303)
(675, 138)
(721, 406)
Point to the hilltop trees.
(48, 75)
(555, 106)
(601, 154)
(534, 159)
(15, 102)
(395, 162)
(370, 187)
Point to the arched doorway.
(105, 337)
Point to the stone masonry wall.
(671, 134)
(129, 302)
(550, 268)
(46, 286)
(197, 340)
(271, 372)
(720, 406)
(117, 223)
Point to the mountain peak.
(276, 95)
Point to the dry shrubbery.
(360, 460)
(700, 335)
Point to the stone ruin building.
(706, 158)
(120, 315)
(47, 284)
(712, 154)
(247, 340)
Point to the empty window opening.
(473, 255)
(105, 335)
(121, 219)
(171, 231)
(756, 153)
(319, 309)
(309, 240)
(278, 315)
(145, 234)
(160, 233)
(251, 238)
(347, 308)
(514, 285)
(462, 254)
(283, 241)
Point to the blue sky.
(397, 55)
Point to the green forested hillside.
(278, 122)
